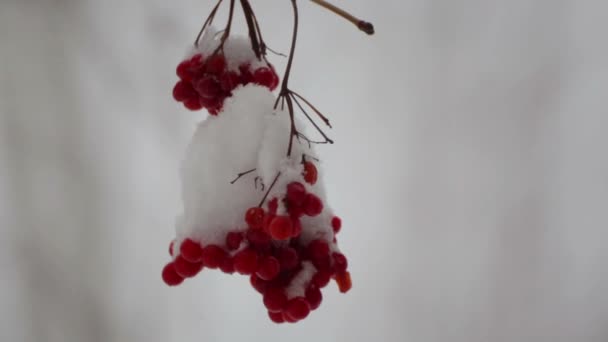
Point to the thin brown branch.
(241, 175)
(327, 139)
(319, 114)
(208, 22)
(362, 25)
(269, 188)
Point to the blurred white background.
(470, 170)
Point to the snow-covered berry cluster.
(208, 76)
(288, 269)
(276, 227)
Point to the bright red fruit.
(183, 91)
(296, 194)
(186, 268)
(215, 64)
(171, 247)
(321, 278)
(297, 309)
(314, 297)
(275, 299)
(183, 70)
(310, 173)
(246, 76)
(259, 239)
(336, 224)
(273, 205)
(229, 80)
(265, 77)
(313, 205)
(258, 284)
(191, 250)
(288, 258)
(213, 256)
(268, 268)
(208, 87)
(281, 228)
(246, 261)
(318, 249)
(255, 217)
(193, 104)
(170, 276)
(227, 265)
(233, 240)
(340, 262)
(276, 317)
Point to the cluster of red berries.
(206, 83)
(271, 252)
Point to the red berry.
(275, 299)
(273, 205)
(213, 105)
(197, 66)
(268, 268)
(190, 250)
(340, 262)
(296, 194)
(314, 297)
(227, 265)
(336, 224)
(246, 76)
(171, 247)
(297, 309)
(233, 240)
(297, 227)
(288, 318)
(258, 284)
(313, 205)
(229, 80)
(321, 278)
(208, 87)
(246, 261)
(281, 228)
(170, 276)
(215, 110)
(186, 268)
(344, 282)
(216, 64)
(288, 258)
(255, 217)
(183, 91)
(193, 104)
(267, 221)
(183, 70)
(276, 317)
(310, 173)
(265, 77)
(259, 239)
(213, 256)
(318, 249)
(197, 59)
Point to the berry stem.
(255, 35)
(325, 119)
(241, 175)
(362, 25)
(207, 22)
(327, 139)
(269, 189)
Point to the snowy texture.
(237, 49)
(247, 134)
